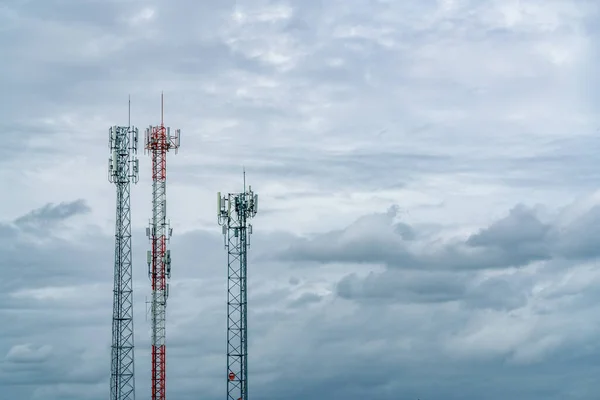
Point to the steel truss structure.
(234, 211)
(123, 169)
(158, 141)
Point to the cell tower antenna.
(234, 211)
(129, 113)
(158, 142)
(123, 169)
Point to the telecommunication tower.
(158, 141)
(123, 169)
(234, 211)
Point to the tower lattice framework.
(158, 142)
(123, 170)
(234, 211)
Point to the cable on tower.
(234, 211)
(158, 141)
(123, 169)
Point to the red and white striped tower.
(158, 141)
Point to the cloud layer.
(516, 240)
(426, 172)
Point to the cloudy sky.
(429, 213)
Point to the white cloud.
(28, 352)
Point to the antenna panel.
(134, 144)
(114, 161)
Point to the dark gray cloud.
(71, 297)
(518, 239)
(469, 290)
(420, 288)
(51, 214)
(521, 226)
(423, 324)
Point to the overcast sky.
(427, 173)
